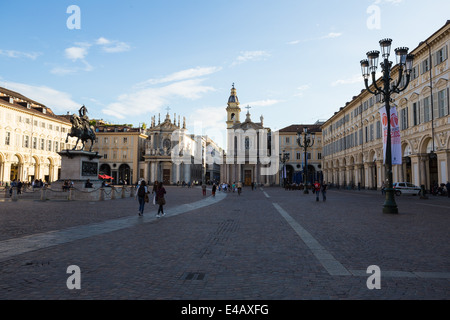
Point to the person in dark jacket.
(160, 200)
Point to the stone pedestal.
(78, 166)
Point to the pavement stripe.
(334, 267)
(16, 246)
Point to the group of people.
(158, 192)
(67, 185)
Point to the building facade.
(295, 164)
(31, 136)
(352, 137)
(122, 149)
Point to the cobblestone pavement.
(267, 244)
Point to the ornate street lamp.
(306, 142)
(369, 68)
(284, 157)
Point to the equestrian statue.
(81, 129)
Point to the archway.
(105, 169)
(15, 168)
(124, 174)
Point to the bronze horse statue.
(82, 130)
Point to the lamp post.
(305, 143)
(284, 157)
(369, 68)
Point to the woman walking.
(141, 195)
(160, 200)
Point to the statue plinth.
(79, 166)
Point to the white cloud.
(59, 102)
(76, 53)
(112, 46)
(19, 54)
(182, 75)
(251, 56)
(301, 90)
(332, 35)
(264, 103)
(357, 78)
(152, 99)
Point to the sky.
(292, 61)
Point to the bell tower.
(233, 109)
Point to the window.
(124, 155)
(42, 146)
(404, 119)
(378, 129)
(415, 114)
(367, 134)
(56, 146)
(425, 66)
(442, 103)
(116, 140)
(26, 142)
(414, 72)
(105, 140)
(125, 140)
(105, 156)
(371, 132)
(8, 138)
(299, 156)
(441, 55)
(287, 140)
(319, 156)
(426, 109)
(34, 143)
(49, 146)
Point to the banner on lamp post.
(396, 141)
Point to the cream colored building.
(122, 149)
(352, 142)
(30, 137)
(296, 155)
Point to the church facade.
(249, 155)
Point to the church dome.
(233, 97)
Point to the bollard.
(123, 192)
(113, 192)
(102, 194)
(6, 192)
(14, 194)
(132, 191)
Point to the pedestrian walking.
(317, 188)
(214, 190)
(324, 191)
(160, 200)
(239, 187)
(142, 195)
(204, 189)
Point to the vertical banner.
(396, 141)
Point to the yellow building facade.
(30, 137)
(352, 137)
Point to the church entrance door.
(248, 178)
(166, 177)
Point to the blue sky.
(291, 61)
